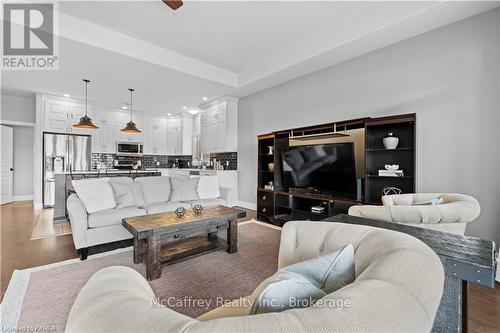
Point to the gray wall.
(19, 108)
(449, 77)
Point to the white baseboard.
(38, 205)
(247, 205)
(22, 197)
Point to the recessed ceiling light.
(67, 95)
(184, 107)
(193, 111)
(205, 98)
(124, 107)
(169, 114)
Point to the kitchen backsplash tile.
(151, 161)
(231, 157)
(105, 161)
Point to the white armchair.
(398, 288)
(451, 215)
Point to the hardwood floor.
(18, 251)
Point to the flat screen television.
(328, 168)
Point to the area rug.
(43, 296)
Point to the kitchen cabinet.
(155, 136)
(161, 135)
(174, 135)
(56, 116)
(103, 138)
(218, 126)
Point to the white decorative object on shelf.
(392, 173)
(391, 167)
(390, 141)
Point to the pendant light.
(131, 127)
(85, 121)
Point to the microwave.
(129, 148)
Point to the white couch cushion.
(302, 283)
(208, 187)
(113, 216)
(122, 190)
(96, 194)
(127, 192)
(155, 189)
(184, 189)
(168, 206)
(208, 202)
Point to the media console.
(280, 204)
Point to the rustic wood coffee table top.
(145, 226)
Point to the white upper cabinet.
(56, 116)
(218, 126)
(160, 135)
(103, 139)
(174, 135)
(155, 135)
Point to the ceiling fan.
(173, 4)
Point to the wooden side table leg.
(465, 294)
(232, 236)
(153, 263)
(139, 249)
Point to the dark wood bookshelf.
(280, 204)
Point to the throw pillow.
(184, 189)
(154, 189)
(208, 187)
(301, 284)
(96, 194)
(123, 192)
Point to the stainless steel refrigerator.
(63, 153)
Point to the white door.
(6, 163)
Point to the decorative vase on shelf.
(270, 166)
(390, 141)
(271, 150)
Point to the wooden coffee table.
(165, 238)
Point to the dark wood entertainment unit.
(282, 204)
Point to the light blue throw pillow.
(301, 284)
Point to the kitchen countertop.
(103, 171)
(188, 169)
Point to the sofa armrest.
(119, 299)
(226, 193)
(382, 213)
(78, 217)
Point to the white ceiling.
(230, 35)
(213, 49)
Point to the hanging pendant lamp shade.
(131, 127)
(85, 121)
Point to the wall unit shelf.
(282, 204)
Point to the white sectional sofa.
(99, 205)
